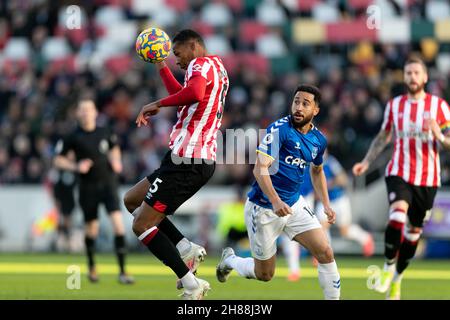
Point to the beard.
(300, 123)
(413, 89)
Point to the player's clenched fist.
(281, 209)
(360, 168)
(331, 215)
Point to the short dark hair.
(186, 35)
(310, 89)
(416, 59)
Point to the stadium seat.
(443, 63)
(270, 14)
(146, 7)
(109, 15)
(437, 10)
(235, 5)
(283, 64)
(359, 4)
(67, 63)
(164, 17)
(308, 31)
(217, 44)
(202, 27)
(75, 36)
(441, 30)
(271, 46)
(118, 64)
(231, 62)
(421, 29)
(216, 14)
(250, 30)
(306, 5)
(395, 31)
(178, 5)
(17, 48)
(385, 8)
(255, 62)
(350, 31)
(55, 48)
(325, 12)
(122, 32)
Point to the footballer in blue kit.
(275, 205)
(293, 152)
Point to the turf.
(38, 276)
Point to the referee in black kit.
(98, 162)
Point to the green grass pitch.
(39, 276)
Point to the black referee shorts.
(419, 199)
(65, 198)
(94, 194)
(177, 180)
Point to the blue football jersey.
(292, 152)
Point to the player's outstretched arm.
(194, 92)
(64, 163)
(378, 144)
(171, 84)
(319, 183)
(262, 176)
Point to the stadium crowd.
(46, 67)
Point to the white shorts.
(264, 226)
(342, 208)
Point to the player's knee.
(325, 255)
(264, 275)
(129, 202)
(139, 227)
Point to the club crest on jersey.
(314, 152)
(103, 146)
(197, 67)
(268, 139)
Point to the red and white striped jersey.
(416, 154)
(194, 134)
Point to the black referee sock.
(160, 245)
(90, 251)
(170, 231)
(405, 254)
(119, 243)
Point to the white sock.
(189, 281)
(357, 234)
(389, 266)
(244, 266)
(183, 246)
(397, 276)
(291, 250)
(329, 280)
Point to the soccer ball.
(153, 45)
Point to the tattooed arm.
(378, 144)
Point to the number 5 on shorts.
(154, 187)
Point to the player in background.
(189, 163)
(97, 163)
(230, 221)
(63, 185)
(337, 181)
(420, 123)
(275, 205)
